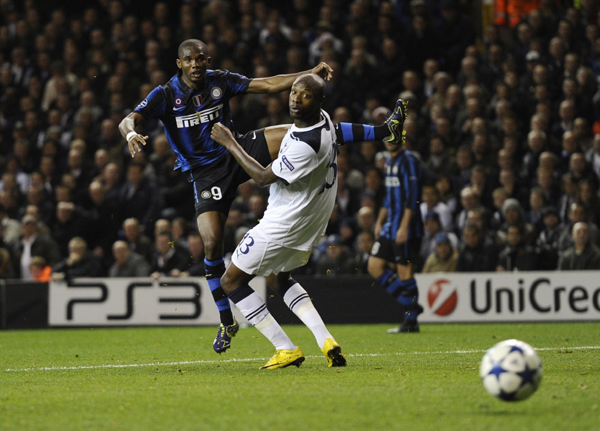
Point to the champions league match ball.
(511, 370)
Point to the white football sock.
(297, 299)
(255, 310)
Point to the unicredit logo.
(442, 297)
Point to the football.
(511, 370)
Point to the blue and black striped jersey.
(403, 188)
(188, 114)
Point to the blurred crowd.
(505, 120)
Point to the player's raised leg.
(391, 131)
(298, 300)
(251, 305)
(210, 226)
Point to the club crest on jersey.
(205, 194)
(216, 93)
(197, 100)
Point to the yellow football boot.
(333, 353)
(284, 358)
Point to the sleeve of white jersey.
(298, 160)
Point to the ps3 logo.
(183, 296)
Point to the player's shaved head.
(314, 83)
(189, 43)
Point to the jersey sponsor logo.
(216, 93)
(392, 182)
(287, 163)
(197, 100)
(199, 117)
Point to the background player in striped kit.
(399, 230)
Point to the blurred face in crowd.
(121, 252)
(475, 218)
(135, 174)
(468, 199)
(512, 215)
(581, 235)
(550, 220)
(432, 226)
(162, 243)
(77, 247)
(131, 229)
(443, 250)
(536, 200)
(471, 236)
(513, 236)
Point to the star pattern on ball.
(497, 369)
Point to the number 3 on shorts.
(245, 244)
(216, 193)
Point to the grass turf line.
(391, 382)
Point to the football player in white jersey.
(302, 196)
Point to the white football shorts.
(257, 254)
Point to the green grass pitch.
(170, 379)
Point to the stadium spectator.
(362, 251)
(167, 258)
(432, 227)
(337, 259)
(583, 254)
(139, 198)
(70, 222)
(40, 271)
(577, 214)
(516, 256)
(473, 254)
(444, 257)
(195, 266)
(32, 243)
(127, 263)
(11, 228)
(79, 262)
(548, 239)
(138, 241)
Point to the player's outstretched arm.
(133, 138)
(277, 83)
(263, 176)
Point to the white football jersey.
(301, 201)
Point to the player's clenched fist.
(221, 135)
